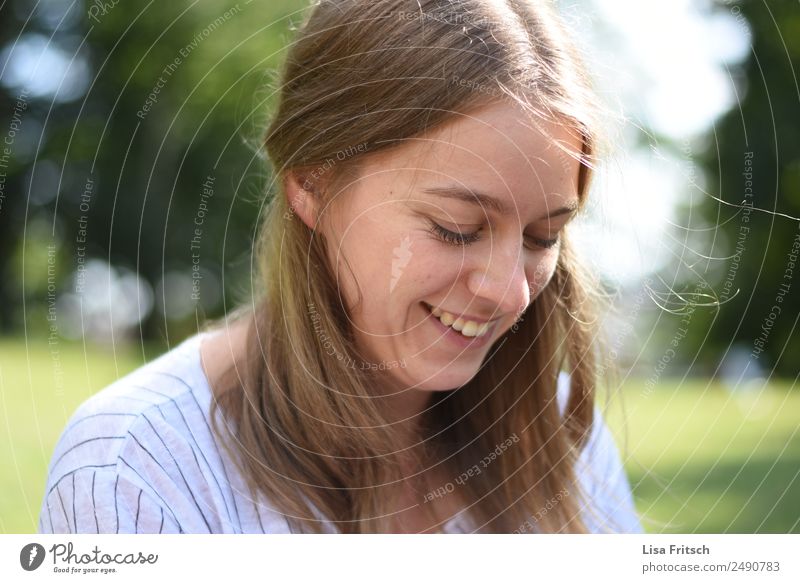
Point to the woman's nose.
(502, 281)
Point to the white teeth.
(468, 328)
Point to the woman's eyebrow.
(487, 201)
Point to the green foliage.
(179, 91)
(753, 160)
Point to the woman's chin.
(445, 380)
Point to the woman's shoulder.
(160, 391)
(148, 433)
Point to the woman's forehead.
(496, 149)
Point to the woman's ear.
(302, 197)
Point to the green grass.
(699, 458)
(703, 459)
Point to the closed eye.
(465, 239)
(451, 238)
(543, 243)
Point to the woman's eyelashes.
(464, 239)
(451, 238)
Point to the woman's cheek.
(542, 273)
(443, 261)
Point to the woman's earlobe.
(302, 198)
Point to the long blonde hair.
(362, 76)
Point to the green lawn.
(702, 459)
(699, 458)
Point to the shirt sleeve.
(100, 501)
(139, 477)
(609, 501)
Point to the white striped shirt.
(139, 457)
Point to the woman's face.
(458, 228)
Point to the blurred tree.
(754, 161)
(155, 157)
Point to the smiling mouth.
(465, 327)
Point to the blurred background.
(131, 183)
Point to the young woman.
(420, 352)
